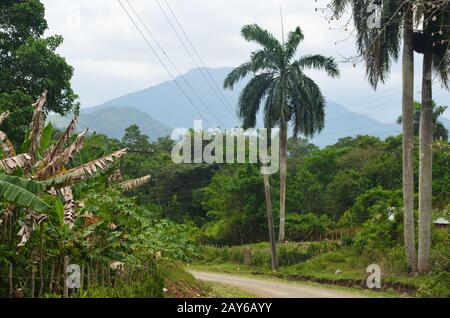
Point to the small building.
(441, 223)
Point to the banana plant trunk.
(283, 171)
(408, 142)
(425, 166)
(273, 247)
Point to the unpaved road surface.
(272, 289)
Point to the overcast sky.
(111, 59)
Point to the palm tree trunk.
(408, 142)
(283, 170)
(273, 248)
(425, 165)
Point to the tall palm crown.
(280, 82)
(378, 47)
(436, 17)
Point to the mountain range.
(159, 109)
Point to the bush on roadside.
(306, 227)
(288, 254)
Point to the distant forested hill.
(113, 122)
(158, 107)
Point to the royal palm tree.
(379, 47)
(434, 44)
(289, 95)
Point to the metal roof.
(442, 221)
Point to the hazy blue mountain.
(166, 104)
(113, 122)
(340, 122)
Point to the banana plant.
(23, 192)
(44, 169)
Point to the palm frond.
(379, 47)
(265, 61)
(307, 105)
(294, 39)
(237, 74)
(272, 107)
(338, 7)
(251, 97)
(319, 62)
(254, 33)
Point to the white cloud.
(117, 70)
(111, 58)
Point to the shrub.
(380, 232)
(288, 254)
(438, 286)
(369, 204)
(306, 227)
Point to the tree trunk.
(41, 262)
(270, 222)
(283, 169)
(50, 284)
(408, 142)
(66, 290)
(10, 280)
(425, 165)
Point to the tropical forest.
(93, 203)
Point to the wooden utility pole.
(270, 223)
(33, 282)
(10, 280)
(52, 274)
(66, 289)
(41, 262)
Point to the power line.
(164, 51)
(219, 89)
(162, 62)
(211, 81)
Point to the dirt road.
(272, 289)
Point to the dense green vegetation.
(349, 193)
(130, 217)
(84, 215)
